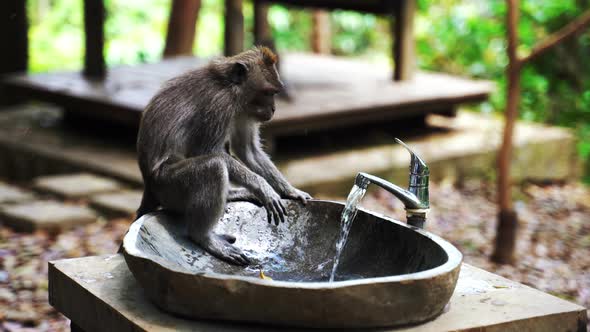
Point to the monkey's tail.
(149, 203)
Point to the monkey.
(199, 134)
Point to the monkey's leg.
(198, 187)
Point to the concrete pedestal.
(99, 294)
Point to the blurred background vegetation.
(462, 37)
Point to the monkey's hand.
(275, 209)
(296, 194)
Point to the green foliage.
(468, 37)
(463, 37)
(55, 33)
(291, 28)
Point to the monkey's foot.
(220, 246)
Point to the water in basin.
(302, 249)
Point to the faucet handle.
(417, 165)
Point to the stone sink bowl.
(389, 273)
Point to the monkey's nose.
(281, 85)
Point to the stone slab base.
(99, 293)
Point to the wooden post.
(13, 37)
(403, 40)
(181, 27)
(13, 24)
(321, 33)
(94, 15)
(234, 27)
(262, 33)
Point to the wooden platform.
(329, 92)
(99, 294)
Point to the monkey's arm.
(242, 195)
(256, 184)
(245, 144)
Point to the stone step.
(75, 186)
(44, 214)
(118, 204)
(461, 148)
(11, 194)
(455, 149)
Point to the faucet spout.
(415, 198)
(409, 199)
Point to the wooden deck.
(329, 92)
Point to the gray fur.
(182, 147)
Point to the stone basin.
(389, 273)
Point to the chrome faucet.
(415, 199)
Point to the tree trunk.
(507, 217)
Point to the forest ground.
(552, 251)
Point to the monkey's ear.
(238, 72)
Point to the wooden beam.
(14, 25)
(181, 27)
(234, 27)
(403, 40)
(262, 33)
(94, 16)
(321, 32)
(367, 6)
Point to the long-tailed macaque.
(183, 149)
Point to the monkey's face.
(264, 83)
(259, 83)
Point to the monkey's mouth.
(266, 113)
